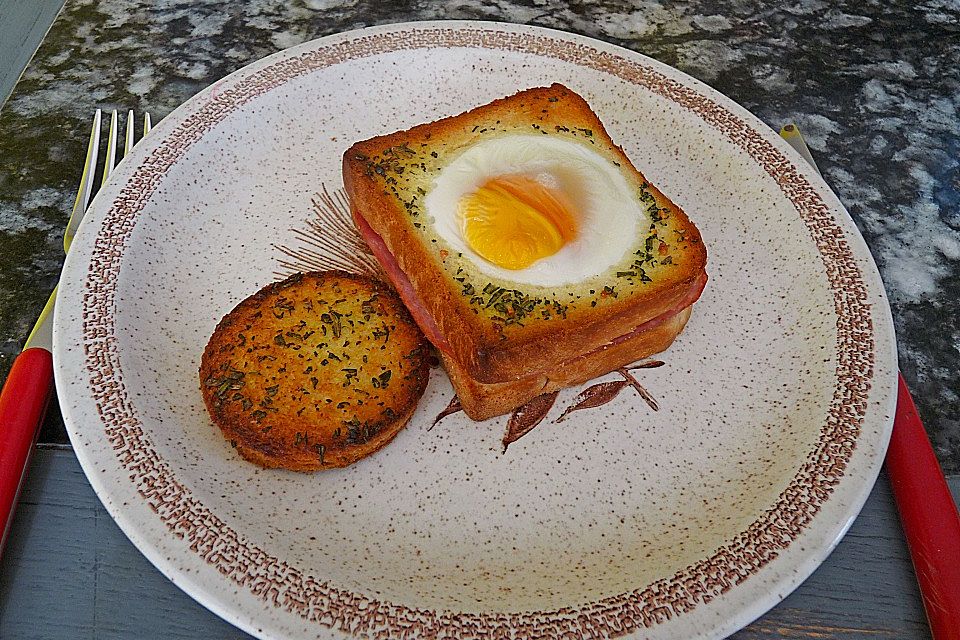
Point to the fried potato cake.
(314, 372)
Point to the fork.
(27, 391)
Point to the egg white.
(605, 205)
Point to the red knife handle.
(929, 516)
(23, 403)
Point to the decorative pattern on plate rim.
(282, 585)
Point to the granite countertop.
(875, 86)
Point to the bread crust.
(482, 400)
(478, 352)
(314, 372)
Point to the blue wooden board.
(69, 573)
(22, 27)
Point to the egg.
(536, 210)
(514, 220)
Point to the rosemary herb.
(334, 320)
(381, 381)
(281, 307)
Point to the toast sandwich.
(526, 245)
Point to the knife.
(927, 510)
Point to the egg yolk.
(513, 221)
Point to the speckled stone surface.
(874, 86)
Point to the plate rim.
(190, 581)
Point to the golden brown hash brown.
(314, 372)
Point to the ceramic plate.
(775, 404)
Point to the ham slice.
(688, 299)
(402, 284)
(692, 295)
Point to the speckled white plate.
(775, 403)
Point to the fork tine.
(110, 161)
(90, 164)
(86, 181)
(128, 141)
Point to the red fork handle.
(929, 516)
(23, 403)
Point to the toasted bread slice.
(314, 372)
(485, 400)
(494, 331)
